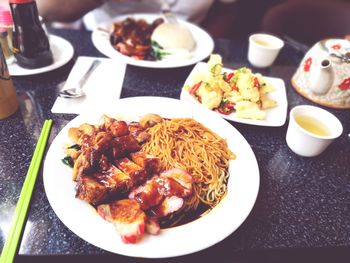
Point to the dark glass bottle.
(30, 43)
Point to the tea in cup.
(311, 130)
(263, 49)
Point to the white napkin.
(102, 87)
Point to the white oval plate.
(62, 51)
(204, 45)
(225, 218)
(275, 117)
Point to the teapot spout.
(322, 77)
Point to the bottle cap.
(5, 17)
(20, 1)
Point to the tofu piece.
(267, 103)
(245, 84)
(202, 90)
(234, 96)
(224, 86)
(211, 99)
(267, 88)
(249, 110)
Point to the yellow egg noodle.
(187, 144)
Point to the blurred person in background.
(95, 12)
(221, 18)
(308, 21)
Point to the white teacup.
(311, 129)
(263, 49)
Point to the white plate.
(204, 45)
(225, 218)
(62, 52)
(275, 117)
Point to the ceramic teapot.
(323, 75)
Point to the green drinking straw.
(14, 234)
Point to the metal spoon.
(77, 91)
(168, 15)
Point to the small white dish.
(275, 117)
(83, 220)
(62, 51)
(204, 45)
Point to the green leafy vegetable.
(68, 161)
(75, 146)
(157, 51)
(216, 70)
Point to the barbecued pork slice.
(101, 141)
(123, 145)
(148, 194)
(152, 226)
(87, 163)
(98, 140)
(137, 174)
(93, 153)
(164, 194)
(149, 162)
(180, 182)
(127, 217)
(168, 206)
(119, 128)
(115, 180)
(158, 195)
(91, 191)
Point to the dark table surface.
(302, 209)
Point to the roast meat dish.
(132, 37)
(125, 185)
(147, 175)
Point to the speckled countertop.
(303, 203)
